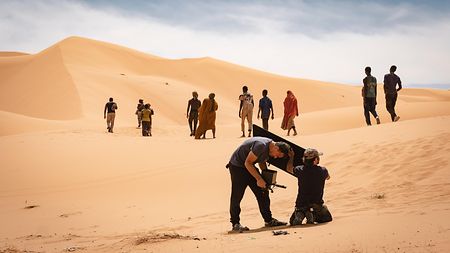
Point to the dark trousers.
(193, 118)
(266, 124)
(391, 100)
(316, 213)
(240, 179)
(146, 128)
(369, 107)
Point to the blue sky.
(322, 40)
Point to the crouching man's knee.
(322, 214)
(300, 214)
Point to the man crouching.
(311, 181)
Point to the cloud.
(318, 40)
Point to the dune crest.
(74, 78)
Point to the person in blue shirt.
(265, 109)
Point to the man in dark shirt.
(311, 182)
(391, 81)
(369, 93)
(192, 115)
(110, 108)
(265, 108)
(244, 173)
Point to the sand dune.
(8, 54)
(67, 185)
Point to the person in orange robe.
(290, 111)
(207, 117)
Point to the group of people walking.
(265, 111)
(392, 84)
(204, 113)
(144, 114)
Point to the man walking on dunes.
(139, 108)
(246, 110)
(369, 93)
(192, 112)
(265, 108)
(391, 81)
(110, 114)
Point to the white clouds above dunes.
(322, 40)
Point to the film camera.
(270, 176)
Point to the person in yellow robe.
(207, 117)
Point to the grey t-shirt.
(258, 145)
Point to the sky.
(323, 40)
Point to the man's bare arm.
(251, 159)
(290, 164)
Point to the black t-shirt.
(390, 83)
(195, 104)
(311, 181)
(111, 107)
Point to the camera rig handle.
(270, 187)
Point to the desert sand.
(67, 185)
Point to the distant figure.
(147, 113)
(110, 114)
(369, 94)
(290, 111)
(207, 117)
(192, 115)
(391, 81)
(311, 182)
(246, 110)
(265, 106)
(139, 108)
(244, 174)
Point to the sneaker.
(297, 218)
(396, 118)
(239, 228)
(378, 120)
(275, 223)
